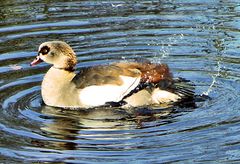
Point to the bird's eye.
(44, 50)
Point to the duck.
(120, 84)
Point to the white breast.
(99, 95)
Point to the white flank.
(98, 95)
(162, 96)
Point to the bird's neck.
(69, 69)
(56, 74)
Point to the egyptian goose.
(125, 84)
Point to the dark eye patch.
(44, 50)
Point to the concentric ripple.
(199, 40)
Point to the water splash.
(165, 49)
(171, 41)
(214, 77)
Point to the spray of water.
(214, 77)
(164, 50)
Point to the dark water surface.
(199, 40)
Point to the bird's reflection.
(70, 127)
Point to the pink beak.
(36, 61)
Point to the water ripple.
(197, 39)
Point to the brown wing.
(100, 75)
(110, 74)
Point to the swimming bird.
(123, 84)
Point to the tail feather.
(184, 88)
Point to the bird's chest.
(56, 87)
(52, 87)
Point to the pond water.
(198, 39)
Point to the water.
(198, 39)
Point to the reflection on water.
(198, 39)
(105, 129)
(100, 118)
